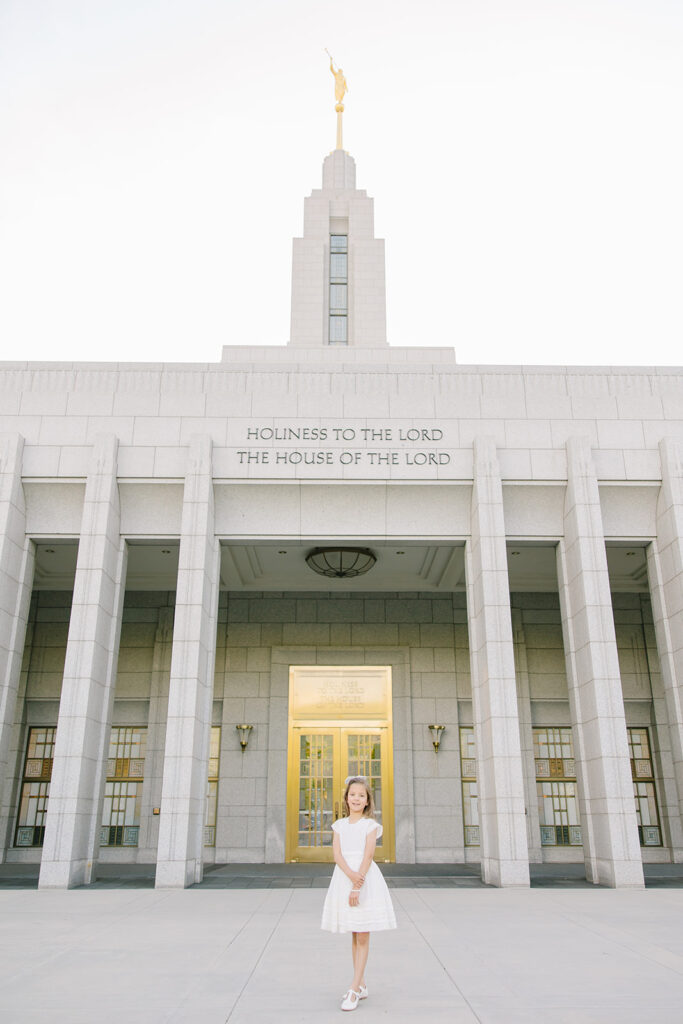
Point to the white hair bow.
(355, 778)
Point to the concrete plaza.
(255, 956)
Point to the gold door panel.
(323, 752)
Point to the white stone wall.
(154, 410)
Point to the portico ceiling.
(532, 566)
(400, 566)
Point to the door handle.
(336, 809)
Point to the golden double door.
(323, 753)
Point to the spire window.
(339, 289)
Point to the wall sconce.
(244, 731)
(436, 731)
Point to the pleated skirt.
(375, 911)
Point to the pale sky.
(526, 161)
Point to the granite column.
(72, 830)
(186, 754)
(665, 572)
(16, 579)
(504, 851)
(608, 816)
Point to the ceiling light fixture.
(340, 563)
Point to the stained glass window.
(339, 302)
(35, 787)
(558, 807)
(468, 772)
(338, 297)
(644, 791)
(212, 788)
(123, 788)
(339, 269)
(338, 333)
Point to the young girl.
(357, 900)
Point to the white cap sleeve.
(376, 825)
(336, 825)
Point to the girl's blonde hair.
(369, 809)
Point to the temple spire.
(338, 290)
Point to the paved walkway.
(256, 956)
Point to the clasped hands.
(357, 881)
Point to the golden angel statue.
(340, 86)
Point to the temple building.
(226, 587)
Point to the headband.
(356, 778)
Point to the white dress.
(375, 911)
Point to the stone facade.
(527, 524)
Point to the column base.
(616, 874)
(65, 874)
(505, 874)
(178, 874)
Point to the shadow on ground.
(317, 876)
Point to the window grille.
(468, 772)
(212, 788)
(339, 290)
(558, 808)
(644, 790)
(123, 788)
(35, 787)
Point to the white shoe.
(362, 992)
(351, 999)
